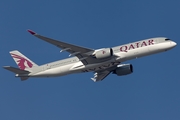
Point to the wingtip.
(32, 32)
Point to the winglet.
(32, 32)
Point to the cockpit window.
(167, 39)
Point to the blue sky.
(150, 93)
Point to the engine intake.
(103, 53)
(123, 69)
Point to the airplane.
(81, 59)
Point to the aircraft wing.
(99, 76)
(74, 50)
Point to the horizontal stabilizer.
(16, 70)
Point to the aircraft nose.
(173, 43)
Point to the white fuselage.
(121, 53)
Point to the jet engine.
(103, 53)
(123, 69)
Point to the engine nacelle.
(123, 69)
(103, 53)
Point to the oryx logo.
(23, 63)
